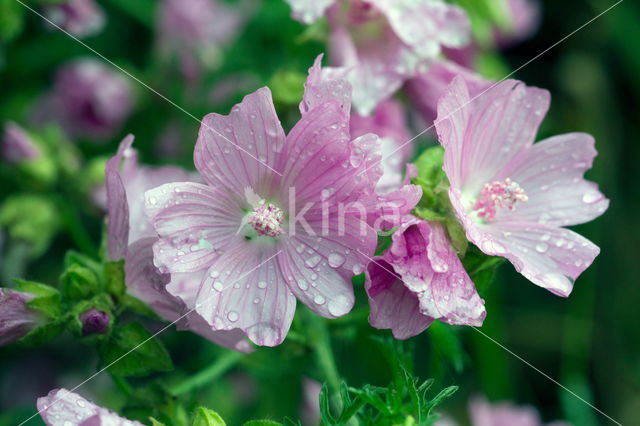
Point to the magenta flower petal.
(195, 223)
(424, 275)
(512, 195)
(63, 408)
(393, 305)
(239, 150)
(242, 290)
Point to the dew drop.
(262, 284)
(232, 316)
(318, 300)
(541, 247)
(336, 260)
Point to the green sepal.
(102, 303)
(132, 351)
(206, 417)
(46, 300)
(114, 278)
(43, 333)
(78, 282)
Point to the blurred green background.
(589, 342)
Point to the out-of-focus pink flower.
(16, 318)
(89, 99)
(195, 31)
(389, 123)
(523, 17)
(504, 414)
(81, 18)
(17, 145)
(419, 279)
(130, 236)
(65, 408)
(310, 407)
(278, 218)
(382, 43)
(512, 196)
(427, 88)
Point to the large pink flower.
(130, 236)
(278, 217)
(419, 279)
(65, 408)
(512, 196)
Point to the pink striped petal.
(244, 289)
(117, 205)
(240, 150)
(195, 222)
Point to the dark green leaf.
(131, 351)
(205, 417)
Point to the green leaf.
(47, 298)
(262, 423)
(205, 417)
(43, 334)
(132, 351)
(11, 19)
(325, 406)
(155, 422)
(287, 87)
(78, 282)
(114, 277)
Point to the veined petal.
(63, 408)
(195, 222)
(117, 205)
(482, 135)
(325, 85)
(393, 305)
(551, 174)
(309, 11)
(550, 257)
(240, 150)
(244, 289)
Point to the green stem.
(217, 369)
(321, 344)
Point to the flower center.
(267, 219)
(498, 194)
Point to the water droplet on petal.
(336, 260)
(232, 316)
(262, 284)
(318, 300)
(541, 247)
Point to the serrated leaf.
(47, 298)
(132, 351)
(325, 406)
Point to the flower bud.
(16, 318)
(94, 321)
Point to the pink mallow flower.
(89, 99)
(16, 318)
(131, 237)
(483, 413)
(382, 43)
(65, 408)
(419, 279)
(278, 217)
(196, 30)
(81, 18)
(389, 123)
(514, 196)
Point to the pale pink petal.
(325, 85)
(426, 24)
(63, 408)
(321, 162)
(117, 205)
(482, 135)
(318, 265)
(244, 289)
(195, 223)
(551, 174)
(16, 318)
(451, 296)
(549, 257)
(393, 305)
(426, 89)
(309, 11)
(240, 150)
(388, 211)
